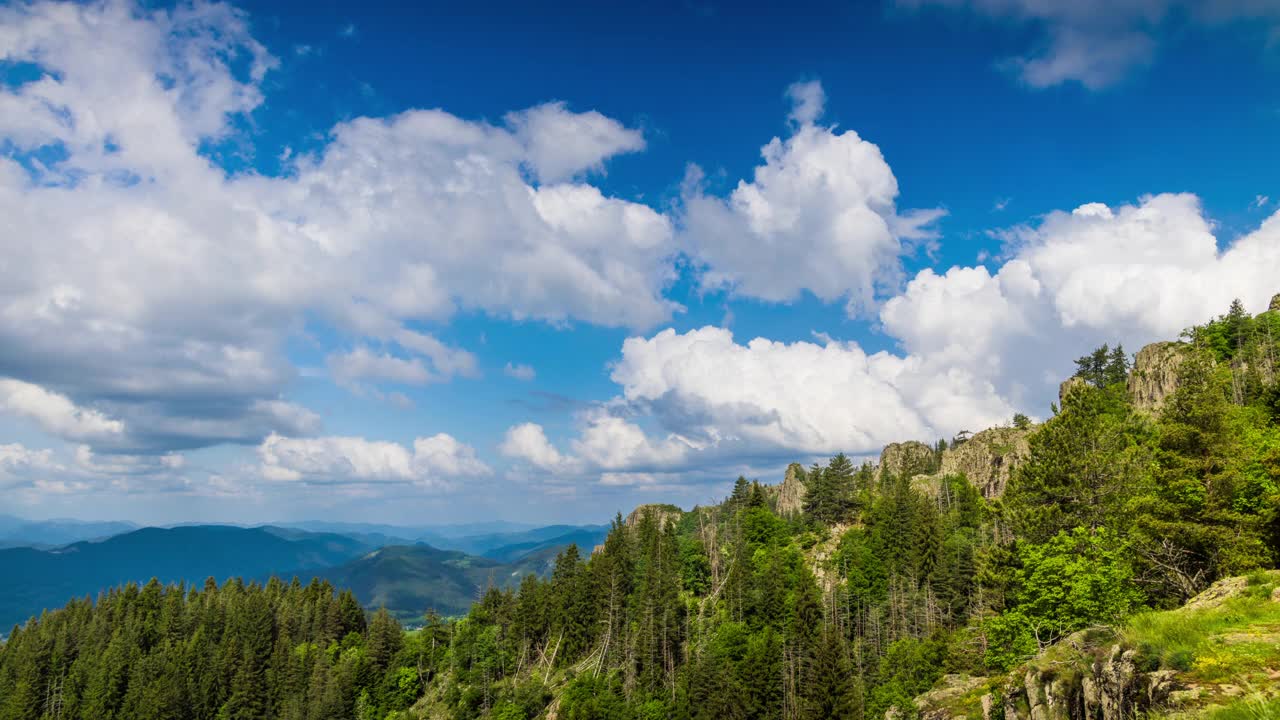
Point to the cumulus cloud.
(560, 144)
(819, 216)
(55, 413)
(796, 397)
(976, 346)
(159, 289)
(432, 462)
(716, 400)
(1098, 42)
(1134, 274)
(528, 442)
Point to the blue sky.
(433, 264)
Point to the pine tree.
(829, 692)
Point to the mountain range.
(382, 566)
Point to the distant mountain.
(408, 580)
(379, 565)
(441, 536)
(487, 544)
(585, 537)
(16, 532)
(39, 579)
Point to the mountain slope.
(585, 537)
(408, 580)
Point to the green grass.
(1229, 653)
(1212, 643)
(1253, 707)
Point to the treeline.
(732, 612)
(235, 652)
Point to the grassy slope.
(1225, 652)
(1227, 655)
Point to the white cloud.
(20, 465)
(363, 364)
(528, 442)
(118, 464)
(1098, 42)
(1132, 274)
(606, 446)
(432, 461)
(808, 100)
(520, 371)
(1261, 201)
(159, 289)
(560, 144)
(55, 413)
(800, 397)
(976, 347)
(818, 215)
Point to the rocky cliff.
(1154, 376)
(792, 491)
(662, 514)
(907, 459)
(988, 458)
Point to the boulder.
(1218, 593)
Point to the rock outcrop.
(1155, 375)
(1275, 304)
(988, 459)
(661, 513)
(792, 491)
(946, 694)
(907, 459)
(1111, 687)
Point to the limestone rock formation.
(988, 459)
(1155, 375)
(791, 493)
(907, 458)
(661, 513)
(1275, 304)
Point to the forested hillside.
(847, 592)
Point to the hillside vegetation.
(1031, 571)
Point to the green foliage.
(1103, 367)
(1086, 464)
(829, 496)
(1076, 579)
(235, 651)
